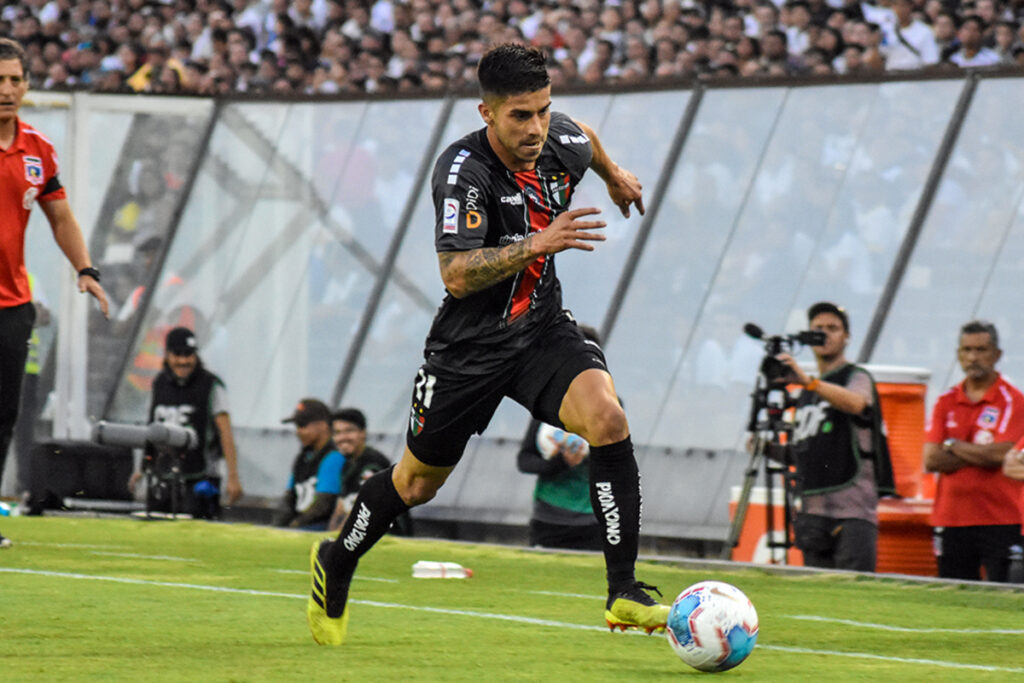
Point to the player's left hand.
(88, 284)
(624, 188)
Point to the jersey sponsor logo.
(450, 223)
(513, 199)
(472, 194)
(180, 415)
(473, 220)
(34, 170)
(983, 437)
(810, 420)
(29, 197)
(573, 139)
(610, 512)
(506, 240)
(453, 170)
(305, 492)
(989, 417)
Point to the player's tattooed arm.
(468, 272)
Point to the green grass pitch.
(125, 600)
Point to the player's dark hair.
(9, 49)
(979, 327)
(512, 69)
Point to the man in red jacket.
(28, 174)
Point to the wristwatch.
(947, 445)
(91, 272)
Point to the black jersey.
(479, 202)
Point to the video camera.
(166, 445)
(771, 367)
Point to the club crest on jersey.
(416, 423)
(33, 170)
(988, 418)
(450, 219)
(559, 188)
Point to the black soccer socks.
(615, 497)
(375, 508)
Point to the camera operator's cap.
(829, 307)
(309, 410)
(181, 341)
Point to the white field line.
(144, 557)
(305, 572)
(569, 595)
(502, 617)
(67, 545)
(903, 629)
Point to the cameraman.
(840, 450)
(186, 394)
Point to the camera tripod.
(771, 431)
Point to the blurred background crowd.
(212, 47)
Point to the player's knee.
(606, 424)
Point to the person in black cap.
(186, 394)
(840, 450)
(315, 481)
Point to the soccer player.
(501, 196)
(28, 174)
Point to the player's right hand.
(567, 232)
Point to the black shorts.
(449, 407)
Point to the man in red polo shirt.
(28, 173)
(976, 515)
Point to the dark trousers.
(837, 543)
(963, 550)
(15, 330)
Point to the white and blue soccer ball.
(712, 626)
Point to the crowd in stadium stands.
(380, 46)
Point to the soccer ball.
(712, 626)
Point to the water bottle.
(440, 570)
(1016, 573)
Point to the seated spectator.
(315, 481)
(562, 515)
(348, 428)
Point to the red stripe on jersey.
(540, 218)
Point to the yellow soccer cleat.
(633, 608)
(325, 630)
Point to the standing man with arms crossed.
(972, 426)
(28, 173)
(842, 456)
(501, 196)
